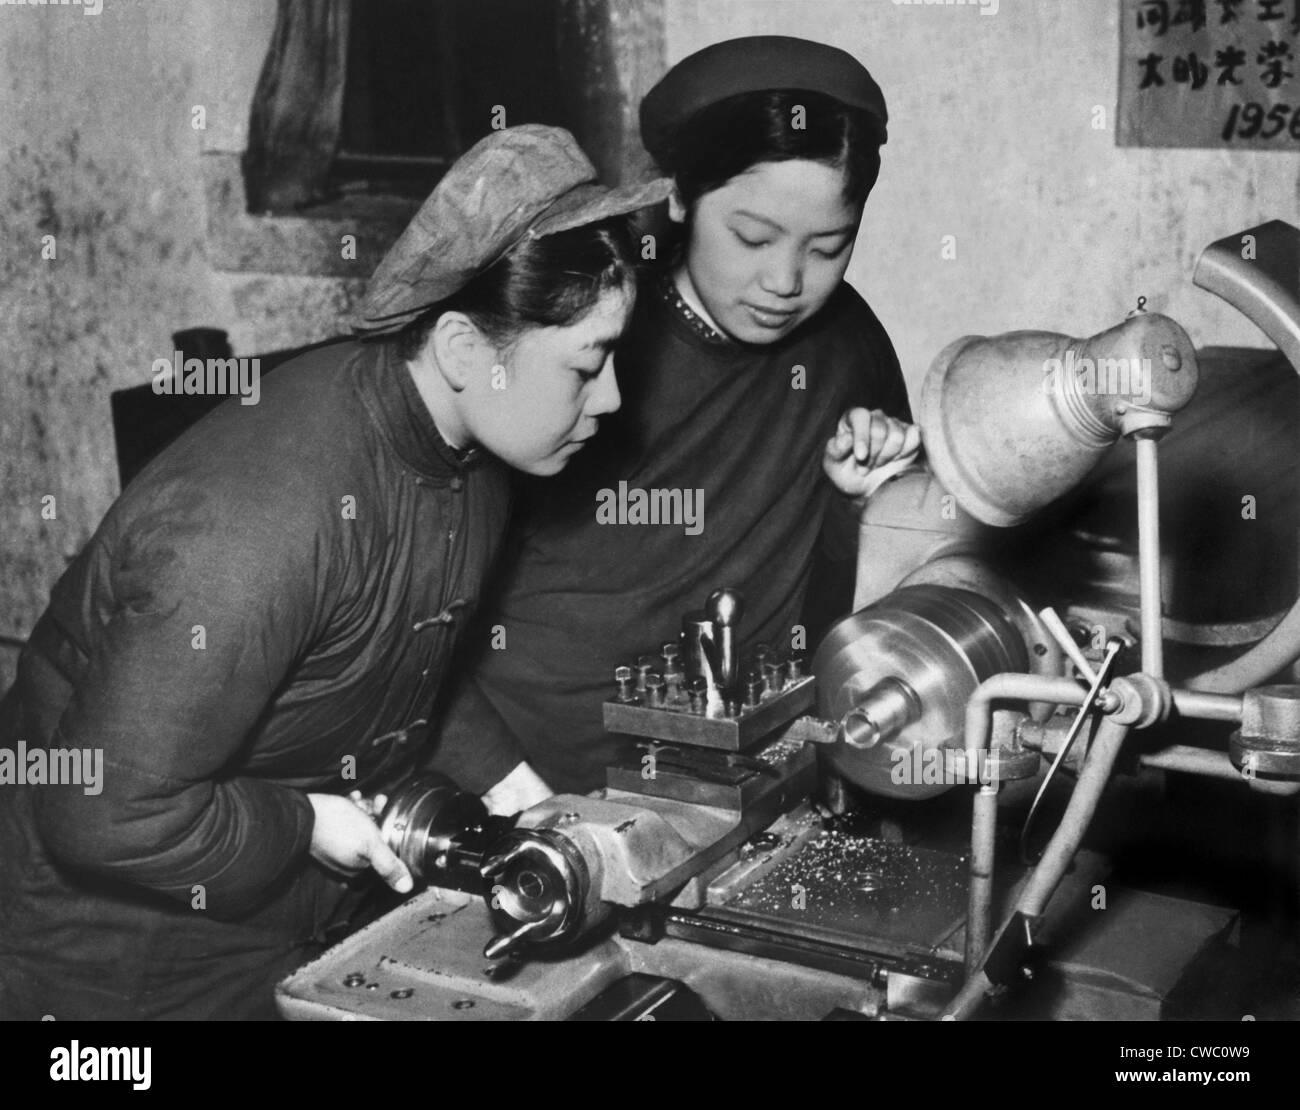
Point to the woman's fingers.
(387, 866)
(877, 437)
(868, 434)
(371, 807)
(842, 443)
(346, 838)
(865, 441)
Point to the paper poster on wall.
(1210, 73)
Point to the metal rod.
(1061, 634)
(1046, 877)
(1148, 493)
(1014, 687)
(1212, 764)
(1078, 815)
(1192, 761)
(1207, 707)
(979, 915)
(1008, 687)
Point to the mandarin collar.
(395, 403)
(672, 297)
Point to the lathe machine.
(1005, 670)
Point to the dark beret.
(755, 64)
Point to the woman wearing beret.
(752, 373)
(259, 625)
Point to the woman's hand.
(345, 838)
(863, 445)
(519, 790)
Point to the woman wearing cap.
(258, 627)
(752, 372)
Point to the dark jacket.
(266, 611)
(741, 427)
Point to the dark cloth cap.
(522, 181)
(758, 63)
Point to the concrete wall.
(98, 150)
(991, 141)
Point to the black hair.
(734, 134)
(551, 281)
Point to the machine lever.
(1061, 634)
(1113, 647)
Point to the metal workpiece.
(941, 643)
(813, 730)
(884, 711)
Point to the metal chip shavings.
(858, 884)
(777, 753)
